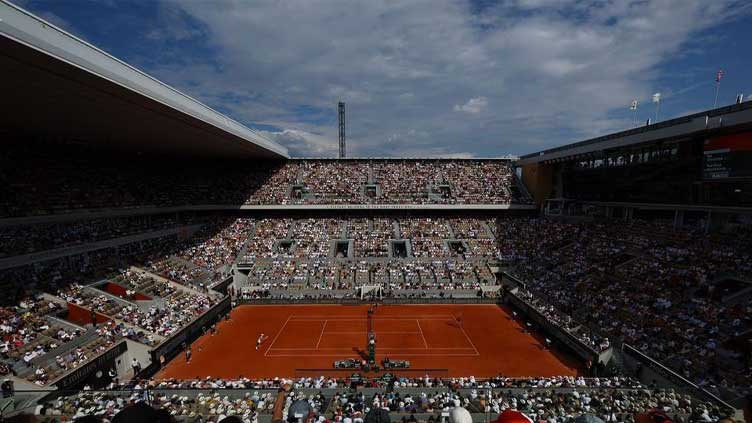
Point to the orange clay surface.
(304, 340)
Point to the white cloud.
(305, 143)
(552, 75)
(458, 155)
(173, 25)
(473, 106)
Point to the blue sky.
(428, 77)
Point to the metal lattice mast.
(341, 110)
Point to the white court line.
(347, 316)
(387, 348)
(394, 317)
(275, 338)
(377, 333)
(462, 328)
(318, 319)
(322, 333)
(348, 349)
(421, 333)
(391, 355)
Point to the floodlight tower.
(341, 110)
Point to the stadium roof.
(738, 116)
(54, 84)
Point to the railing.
(582, 350)
(514, 280)
(99, 363)
(672, 376)
(223, 285)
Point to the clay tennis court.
(304, 340)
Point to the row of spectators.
(42, 179)
(608, 403)
(395, 274)
(321, 382)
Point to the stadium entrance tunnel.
(371, 191)
(399, 248)
(342, 248)
(285, 246)
(457, 247)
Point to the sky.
(428, 78)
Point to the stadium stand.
(121, 253)
(648, 285)
(72, 178)
(336, 399)
(592, 280)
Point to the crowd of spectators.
(37, 325)
(181, 271)
(414, 274)
(26, 239)
(312, 238)
(447, 182)
(35, 328)
(345, 254)
(586, 336)
(656, 287)
(139, 281)
(49, 180)
(200, 407)
(42, 179)
(26, 281)
(179, 309)
(27, 334)
(45, 369)
(542, 399)
(426, 235)
(334, 182)
(199, 260)
(220, 243)
(371, 236)
(112, 330)
(658, 293)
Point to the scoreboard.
(728, 156)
